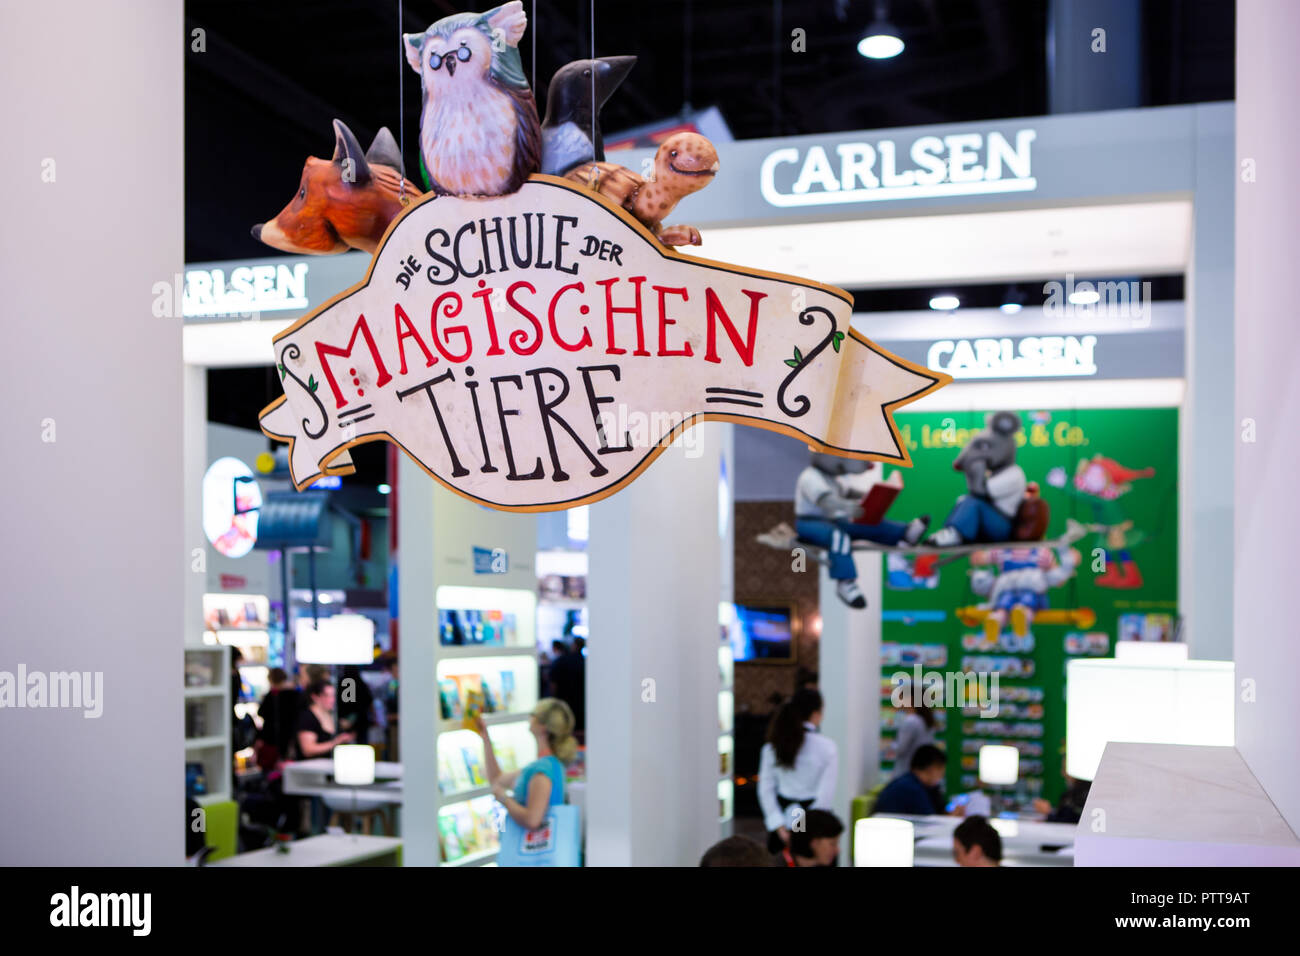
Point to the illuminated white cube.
(354, 765)
(882, 841)
(1122, 701)
(1151, 652)
(999, 765)
(339, 639)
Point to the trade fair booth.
(616, 484)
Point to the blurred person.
(914, 729)
(392, 698)
(356, 704)
(912, 792)
(976, 843)
(569, 680)
(544, 662)
(736, 851)
(317, 735)
(797, 766)
(1069, 809)
(539, 785)
(279, 711)
(815, 843)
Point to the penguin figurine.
(571, 131)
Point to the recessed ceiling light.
(881, 42)
(385, 489)
(944, 303)
(1010, 308)
(1085, 296)
(882, 39)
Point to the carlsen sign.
(961, 164)
(1033, 356)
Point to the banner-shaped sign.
(538, 350)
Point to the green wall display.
(1114, 471)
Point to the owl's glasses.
(435, 59)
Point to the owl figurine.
(479, 131)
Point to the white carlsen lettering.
(1034, 356)
(131, 910)
(250, 289)
(960, 164)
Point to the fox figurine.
(345, 202)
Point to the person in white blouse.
(797, 767)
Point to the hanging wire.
(533, 23)
(593, 77)
(401, 104)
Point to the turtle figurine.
(685, 163)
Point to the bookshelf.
(496, 669)
(207, 718)
(726, 736)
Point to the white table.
(325, 850)
(1022, 841)
(314, 778)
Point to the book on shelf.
(492, 694)
(508, 691)
(449, 699)
(474, 767)
(453, 848)
(507, 760)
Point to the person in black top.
(569, 678)
(356, 704)
(279, 712)
(317, 736)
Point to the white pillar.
(652, 683)
(417, 650)
(94, 560)
(1207, 435)
(849, 679)
(194, 409)
(1266, 649)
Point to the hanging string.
(533, 23)
(593, 77)
(401, 104)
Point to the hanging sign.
(539, 350)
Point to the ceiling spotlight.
(944, 303)
(1085, 294)
(1013, 301)
(385, 489)
(882, 40)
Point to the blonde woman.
(540, 785)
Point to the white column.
(1207, 434)
(94, 563)
(849, 679)
(1266, 649)
(417, 636)
(652, 664)
(194, 409)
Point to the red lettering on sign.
(362, 329)
(715, 310)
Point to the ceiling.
(260, 98)
(1146, 238)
